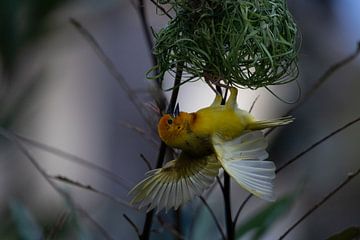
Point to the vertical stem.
(145, 235)
(227, 195)
(178, 223)
(146, 29)
(227, 200)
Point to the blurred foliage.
(18, 222)
(263, 220)
(351, 233)
(22, 22)
(25, 223)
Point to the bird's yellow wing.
(243, 159)
(176, 183)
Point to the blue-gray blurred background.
(55, 90)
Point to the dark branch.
(170, 227)
(73, 158)
(319, 204)
(253, 103)
(13, 139)
(220, 184)
(214, 217)
(331, 70)
(148, 164)
(298, 156)
(317, 143)
(132, 224)
(92, 189)
(241, 208)
(109, 64)
(161, 8)
(227, 201)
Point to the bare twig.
(253, 103)
(132, 224)
(148, 164)
(73, 158)
(142, 132)
(214, 217)
(146, 30)
(95, 223)
(13, 139)
(317, 143)
(170, 227)
(320, 203)
(241, 208)
(330, 71)
(109, 64)
(92, 189)
(161, 8)
(298, 156)
(220, 184)
(60, 222)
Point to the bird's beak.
(176, 110)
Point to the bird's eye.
(170, 121)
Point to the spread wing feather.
(176, 183)
(243, 159)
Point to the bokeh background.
(55, 90)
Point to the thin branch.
(331, 71)
(13, 139)
(91, 189)
(132, 224)
(146, 30)
(161, 8)
(214, 217)
(320, 203)
(148, 164)
(327, 74)
(60, 222)
(220, 184)
(317, 143)
(170, 227)
(253, 103)
(95, 223)
(298, 156)
(241, 208)
(73, 158)
(161, 156)
(142, 132)
(109, 64)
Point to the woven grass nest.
(243, 43)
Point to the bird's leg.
(217, 100)
(231, 102)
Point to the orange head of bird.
(173, 128)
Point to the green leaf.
(351, 233)
(262, 221)
(26, 225)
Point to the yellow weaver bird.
(219, 136)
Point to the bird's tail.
(258, 125)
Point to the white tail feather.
(242, 158)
